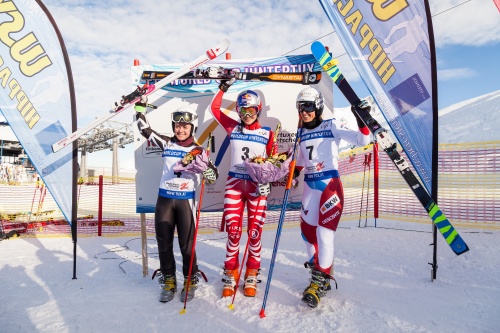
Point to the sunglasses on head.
(305, 106)
(182, 117)
(249, 111)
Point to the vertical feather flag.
(37, 96)
(391, 44)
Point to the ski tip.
(223, 46)
(317, 43)
(317, 47)
(218, 50)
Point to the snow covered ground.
(383, 276)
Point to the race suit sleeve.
(361, 137)
(224, 120)
(150, 134)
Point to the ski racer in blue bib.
(323, 196)
(247, 139)
(177, 198)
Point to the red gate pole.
(99, 212)
(375, 181)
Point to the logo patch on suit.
(320, 166)
(330, 203)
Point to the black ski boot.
(193, 285)
(320, 284)
(168, 285)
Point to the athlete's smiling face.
(307, 116)
(248, 115)
(182, 131)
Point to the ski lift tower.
(110, 135)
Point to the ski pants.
(239, 192)
(322, 204)
(171, 213)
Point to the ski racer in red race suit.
(323, 195)
(247, 139)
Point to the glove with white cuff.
(210, 175)
(264, 189)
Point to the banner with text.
(35, 95)
(390, 45)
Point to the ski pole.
(369, 159)
(33, 201)
(80, 183)
(362, 191)
(193, 248)
(281, 220)
(43, 190)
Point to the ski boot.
(229, 282)
(328, 285)
(193, 285)
(250, 287)
(169, 287)
(320, 281)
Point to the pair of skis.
(227, 73)
(129, 100)
(444, 226)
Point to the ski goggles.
(183, 117)
(249, 111)
(305, 106)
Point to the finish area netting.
(469, 188)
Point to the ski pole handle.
(290, 175)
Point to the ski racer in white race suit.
(248, 139)
(323, 195)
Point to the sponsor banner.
(35, 94)
(278, 106)
(390, 46)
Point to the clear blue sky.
(484, 77)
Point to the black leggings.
(168, 214)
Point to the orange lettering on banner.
(384, 10)
(27, 50)
(386, 70)
(344, 9)
(354, 19)
(366, 35)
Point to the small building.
(11, 150)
